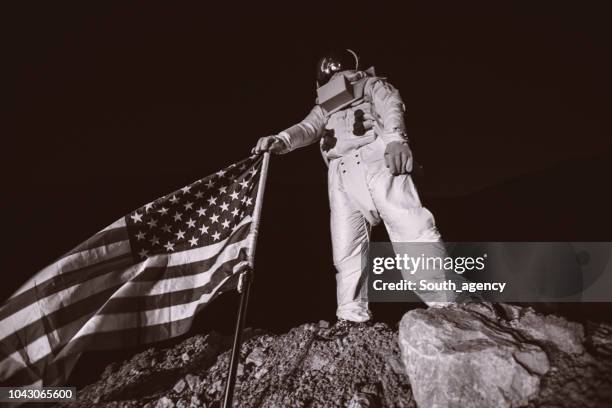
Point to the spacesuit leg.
(407, 220)
(349, 230)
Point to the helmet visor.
(328, 66)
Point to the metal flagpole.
(244, 285)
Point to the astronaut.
(358, 120)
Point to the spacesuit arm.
(389, 108)
(307, 132)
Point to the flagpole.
(244, 285)
(258, 207)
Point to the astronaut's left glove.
(398, 157)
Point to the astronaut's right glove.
(271, 144)
(398, 158)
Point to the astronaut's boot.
(341, 329)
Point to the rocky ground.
(474, 356)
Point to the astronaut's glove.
(398, 158)
(271, 144)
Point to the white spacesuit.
(365, 145)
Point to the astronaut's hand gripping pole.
(272, 144)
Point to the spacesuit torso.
(377, 113)
(339, 136)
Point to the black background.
(113, 105)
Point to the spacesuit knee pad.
(413, 225)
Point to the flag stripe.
(26, 324)
(63, 299)
(189, 276)
(83, 275)
(52, 322)
(32, 312)
(43, 372)
(64, 281)
(136, 336)
(104, 237)
(154, 328)
(86, 339)
(40, 349)
(89, 305)
(101, 322)
(117, 224)
(138, 303)
(76, 261)
(109, 340)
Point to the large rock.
(478, 356)
(458, 358)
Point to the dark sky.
(120, 93)
(113, 105)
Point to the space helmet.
(335, 61)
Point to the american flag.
(140, 280)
